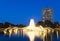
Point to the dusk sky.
(21, 11)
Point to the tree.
(56, 24)
(6, 24)
(1, 25)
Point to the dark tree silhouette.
(6, 24)
(56, 24)
(1, 25)
(46, 23)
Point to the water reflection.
(32, 37)
(31, 31)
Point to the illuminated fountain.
(57, 34)
(8, 31)
(15, 30)
(31, 31)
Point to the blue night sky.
(21, 11)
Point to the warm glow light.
(57, 34)
(31, 25)
(8, 31)
(15, 30)
(31, 31)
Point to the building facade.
(47, 14)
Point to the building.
(47, 14)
